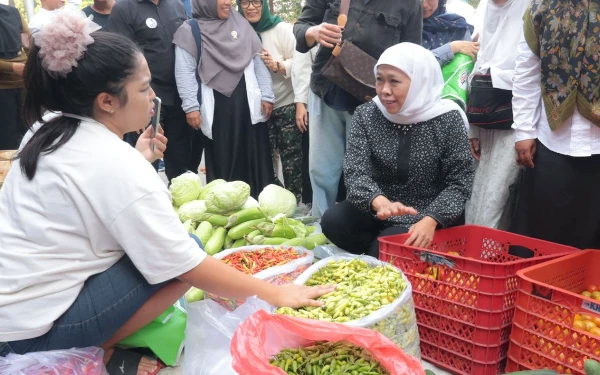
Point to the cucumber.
(240, 230)
(215, 219)
(310, 229)
(244, 215)
(263, 240)
(239, 243)
(204, 231)
(250, 236)
(216, 241)
(228, 242)
(276, 230)
(592, 367)
(315, 240)
(298, 241)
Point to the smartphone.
(155, 120)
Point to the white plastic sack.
(208, 335)
(397, 321)
(85, 361)
(278, 275)
(325, 251)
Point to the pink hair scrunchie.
(63, 41)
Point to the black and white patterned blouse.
(426, 165)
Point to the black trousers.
(239, 150)
(12, 126)
(559, 200)
(354, 230)
(181, 136)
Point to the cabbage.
(210, 187)
(275, 200)
(193, 210)
(227, 197)
(250, 202)
(185, 188)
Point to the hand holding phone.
(155, 120)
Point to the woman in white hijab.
(407, 164)
(496, 170)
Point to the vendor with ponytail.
(90, 248)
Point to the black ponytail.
(104, 67)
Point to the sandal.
(126, 362)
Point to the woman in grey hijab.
(236, 94)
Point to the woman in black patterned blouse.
(408, 166)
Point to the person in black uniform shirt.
(100, 11)
(152, 24)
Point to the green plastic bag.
(456, 76)
(163, 336)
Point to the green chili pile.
(328, 358)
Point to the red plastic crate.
(460, 329)
(543, 334)
(467, 349)
(478, 287)
(436, 297)
(458, 364)
(513, 366)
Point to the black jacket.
(373, 27)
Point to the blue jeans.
(329, 130)
(105, 303)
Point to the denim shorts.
(105, 303)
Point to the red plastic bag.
(263, 335)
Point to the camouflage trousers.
(285, 138)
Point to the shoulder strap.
(198, 38)
(345, 7)
(341, 20)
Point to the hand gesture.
(421, 233)
(475, 148)
(194, 119)
(266, 109)
(386, 209)
(160, 144)
(268, 60)
(525, 152)
(327, 34)
(295, 296)
(465, 47)
(18, 69)
(301, 117)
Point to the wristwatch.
(278, 67)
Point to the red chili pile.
(252, 262)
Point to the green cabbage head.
(227, 197)
(210, 186)
(275, 200)
(193, 211)
(185, 188)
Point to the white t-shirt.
(41, 18)
(90, 202)
(281, 44)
